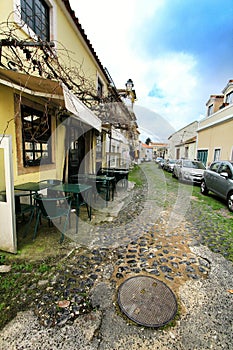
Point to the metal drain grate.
(147, 301)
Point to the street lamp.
(129, 85)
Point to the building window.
(229, 97)
(35, 13)
(186, 152)
(36, 132)
(99, 147)
(217, 152)
(202, 156)
(210, 110)
(100, 88)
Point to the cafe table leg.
(77, 211)
(90, 204)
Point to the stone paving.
(137, 241)
(149, 235)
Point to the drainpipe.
(110, 145)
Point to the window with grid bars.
(100, 87)
(229, 97)
(217, 153)
(35, 13)
(36, 132)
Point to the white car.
(187, 170)
(158, 160)
(169, 165)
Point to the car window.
(193, 164)
(214, 166)
(187, 164)
(224, 168)
(198, 165)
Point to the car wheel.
(230, 201)
(180, 177)
(204, 189)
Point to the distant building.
(182, 143)
(146, 152)
(159, 149)
(216, 129)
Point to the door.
(202, 156)
(76, 157)
(212, 175)
(8, 241)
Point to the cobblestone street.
(156, 232)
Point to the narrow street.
(156, 233)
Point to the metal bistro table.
(76, 189)
(97, 181)
(32, 187)
(121, 174)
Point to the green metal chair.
(52, 208)
(50, 183)
(22, 211)
(106, 188)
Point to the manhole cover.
(147, 301)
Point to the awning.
(51, 90)
(79, 110)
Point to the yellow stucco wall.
(222, 113)
(69, 38)
(7, 119)
(219, 136)
(6, 6)
(66, 37)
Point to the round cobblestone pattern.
(157, 233)
(137, 242)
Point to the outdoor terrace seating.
(52, 208)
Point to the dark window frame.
(36, 17)
(224, 168)
(229, 97)
(215, 166)
(36, 136)
(100, 88)
(99, 147)
(210, 109)
(217, 154)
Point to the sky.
(177, 52)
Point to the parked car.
(218, 178)
(161, 163)
(189, 170)
(158, 159)
(169, 165)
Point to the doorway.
(8, 241)
(76, 162)
(202, 156)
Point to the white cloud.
(174, 76)
(112, 30)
